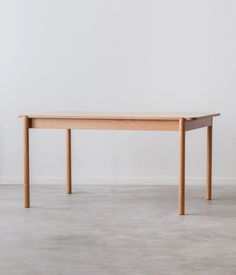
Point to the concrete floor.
(117, 230)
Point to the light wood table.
(121, 121)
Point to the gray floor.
(117, 230)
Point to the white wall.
(123, 55)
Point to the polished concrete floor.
(117, 230)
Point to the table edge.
(110, 117)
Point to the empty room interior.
(117, 137)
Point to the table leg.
(26, 163)
(209, 163)
(182, 167)
(68, 161)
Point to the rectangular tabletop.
(119, 121)
(121, 116)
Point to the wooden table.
(121, 121)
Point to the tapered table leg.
(209, 164)
(26, 162)
(182, 167)
(68, 162)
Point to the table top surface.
(122, 116)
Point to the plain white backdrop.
(123, 55)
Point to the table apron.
(116, 124)
(198, 123)
(104, 124)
